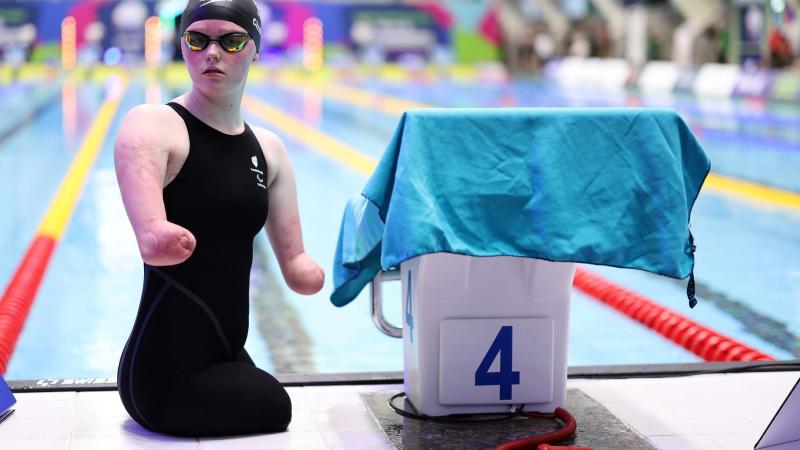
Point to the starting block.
(482, 334)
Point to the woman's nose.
(213, 50)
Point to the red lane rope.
(698, 339)
(21, 290)
(20, 293)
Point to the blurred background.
(333, 79)
(524, 37)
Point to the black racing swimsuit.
(184, 370)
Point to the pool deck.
(704, 411)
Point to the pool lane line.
(21, 290)
(30, 116)
(770, 330)
(289, 345)
(748, 191)
(358, 97)
(753, 192)
(783, 144)
(310, 136)
(699, 339)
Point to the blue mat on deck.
(7, 400)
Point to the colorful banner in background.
(411, 35)
(112, 31)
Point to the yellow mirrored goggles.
(231, 42)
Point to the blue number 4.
(506, 377)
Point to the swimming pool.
(748, 257)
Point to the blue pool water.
(748, 255)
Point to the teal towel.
(600, 186)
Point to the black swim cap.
(241, 12)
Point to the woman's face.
(213, 69)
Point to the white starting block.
(481, 334)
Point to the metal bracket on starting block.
(376, 294)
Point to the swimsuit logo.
(259, 173)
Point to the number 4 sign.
(495, 361)
(503, 346)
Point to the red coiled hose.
(561, 434)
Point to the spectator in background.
(526, 55)
(705, 48)
(791, 28)
(722, 40)
(601, 39)
(580, 47)
(780, 51)
(91, 52)
(512, 32)
(544, 44)
(653, 48)
(17, 49)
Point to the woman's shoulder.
(271, 145)
(153, 115)
(151, 123)
(152, 131)
(266, 138)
